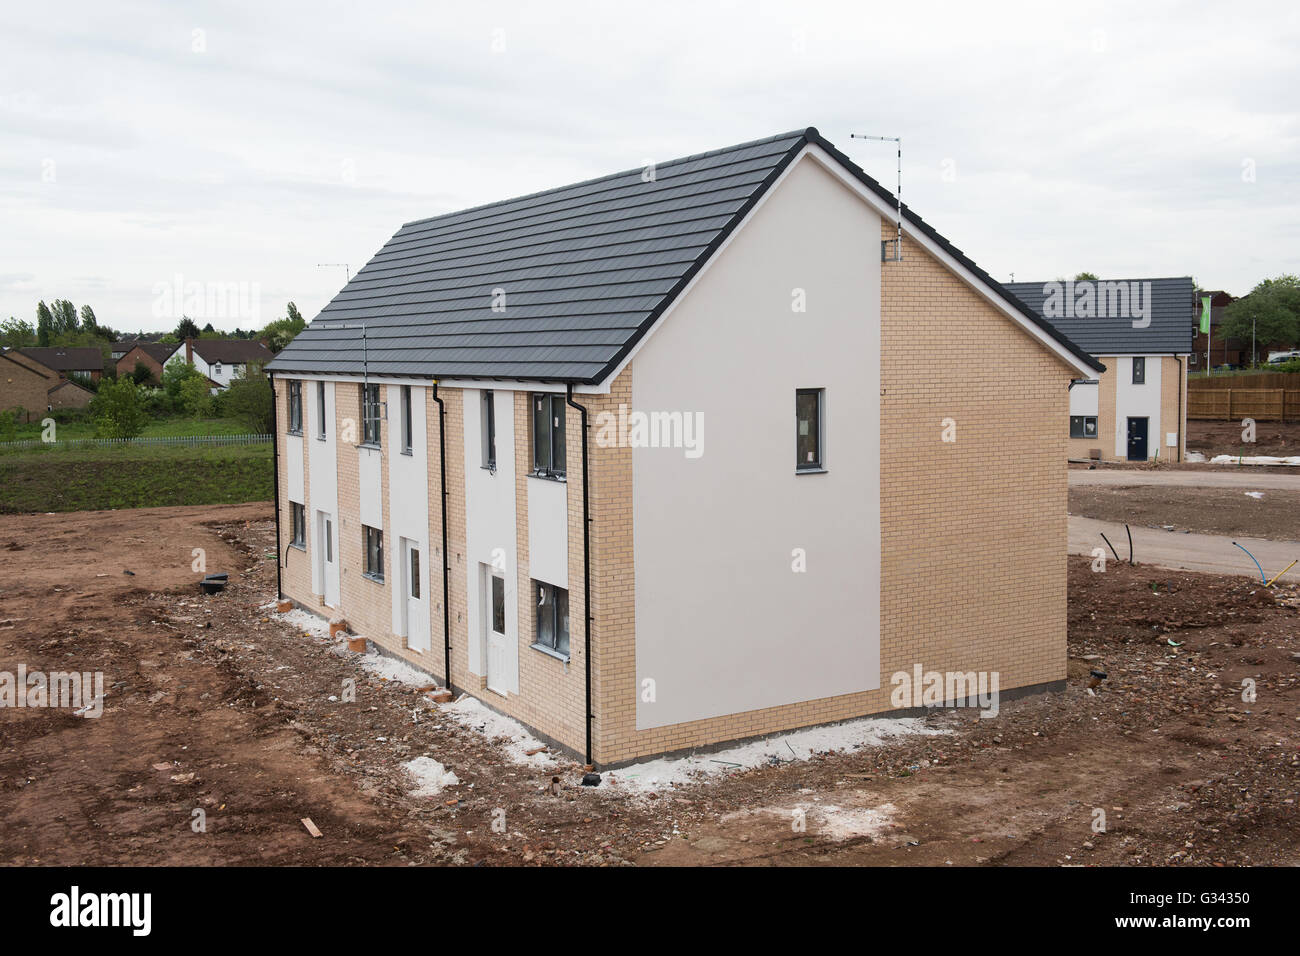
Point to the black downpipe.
(586, 561)
(275, 456)
(446, 561)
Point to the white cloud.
(1105, 137)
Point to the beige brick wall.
(1173, 406)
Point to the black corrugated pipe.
(275, 456)
(446, 563)
(586, 561)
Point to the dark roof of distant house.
(1174, 312)
(43, 371)
(67, 360)
(586, 270)
(231, 351)
(156, 350)
(67, 383)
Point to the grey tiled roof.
(1174, 312)
(78, 359)
(585, 270)
(231, 351)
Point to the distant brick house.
(461, 487)
(153, 355)
(85, 361)
(35, 388)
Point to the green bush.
(118, 410)
(249, 400)
(195, 398)
(158, 403)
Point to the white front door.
(327, 555)
(416, 611)
(498, 662)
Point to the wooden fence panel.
(1227, 404)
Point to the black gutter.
(275, 456)
(586, 562)
(446, 565)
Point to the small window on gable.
(320, 410)
(374, 543)
(549, 454)
(298, 524)
(808, 409)
(295, 408)
(408, 430)
(216, 369)
(1139, 370)
(489, 425)
(370, 411)
(552, 617)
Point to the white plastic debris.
(1254, 460)
(430, 776)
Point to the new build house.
(1142, 331)
(667, 459)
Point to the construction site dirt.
(225, 727)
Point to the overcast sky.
(220, 143)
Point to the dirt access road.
(1185, 551)
(214, 704)
(1235, 505)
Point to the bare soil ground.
(1211, 438)
(1226, 511)
(234, 707)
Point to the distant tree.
(17, 333)
(175, 374)
(65, 316)
(142, 374)
(195, 397)
(169, 339)
(209, 329)
(117, 410)
(44, 324)
(1086, 276)
(248, 399)
(187, 328)
(281, 332)
(1271, 311)
(88, 323)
